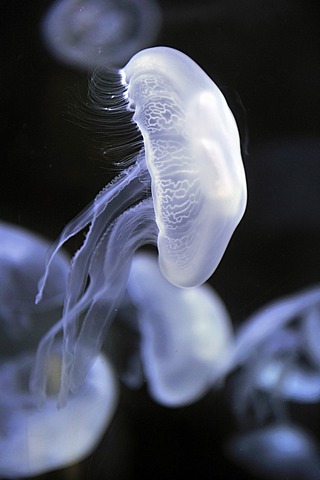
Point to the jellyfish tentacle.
(38, 376)
(109, 272)
(102, 201)
(130, 193)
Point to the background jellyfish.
(277, 451)
(22, 255)
(91, 33)
(184, 191)
(35, 440)
(279, 353)
(186, 334)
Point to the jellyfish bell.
(277, 352)
(22, 256)
(186, 334)
(193, 156)
(277, 451)
(35, 440)
(91, 33)
(184, 191)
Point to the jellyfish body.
(186, 334)
(278, 451)
(91, 33)
(277, 351)
(22, 255)
(193, 156)
(35, 440)
(184, 191)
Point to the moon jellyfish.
(279, 354)
(184, 191)
(186, 334)
(35, 440)
(21, 263)
(278, 451)
(91, 33)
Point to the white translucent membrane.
(36, 440)
(91, 33)
(279, 354)
(193, 156)
(190, 161)
(22, 257)
(186, 334)
(279, 451)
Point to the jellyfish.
(22, 255)
(278, 353)
(36, 440)
(91, 33)
(277, 451)
(184, 191)
(186, 334)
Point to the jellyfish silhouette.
(184, 191)
(91, 33)
(22, 254)
(186, 334)
(35, 440)
(277, 355)
(277, 451)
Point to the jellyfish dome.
(277, 349)
(92, 33)
(186, 334)
(277, 451)
(22, 257)
(34, 439)
(183, 191)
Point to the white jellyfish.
(21, 263)
(186, 334)
(184, 191)
(277, 451)
(34, 439)
(278, 351)
(91, 33)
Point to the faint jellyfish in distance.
(184, 191)
(39, 437)
(186, 334)
(22, 255)
(46, 438)
(277, 451)
(92, 33)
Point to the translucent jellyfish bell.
(22, 255)
(278, 451)
(35, 440)
(91, 33)
(185, 191)
(186, 334)
(278, 351)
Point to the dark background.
(264, 56)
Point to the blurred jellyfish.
(278, 350)
(186, 334)
(278, 451)
(91, 33)
(35, 440)
(21, 262)
(184, 191)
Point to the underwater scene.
(159, 240)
